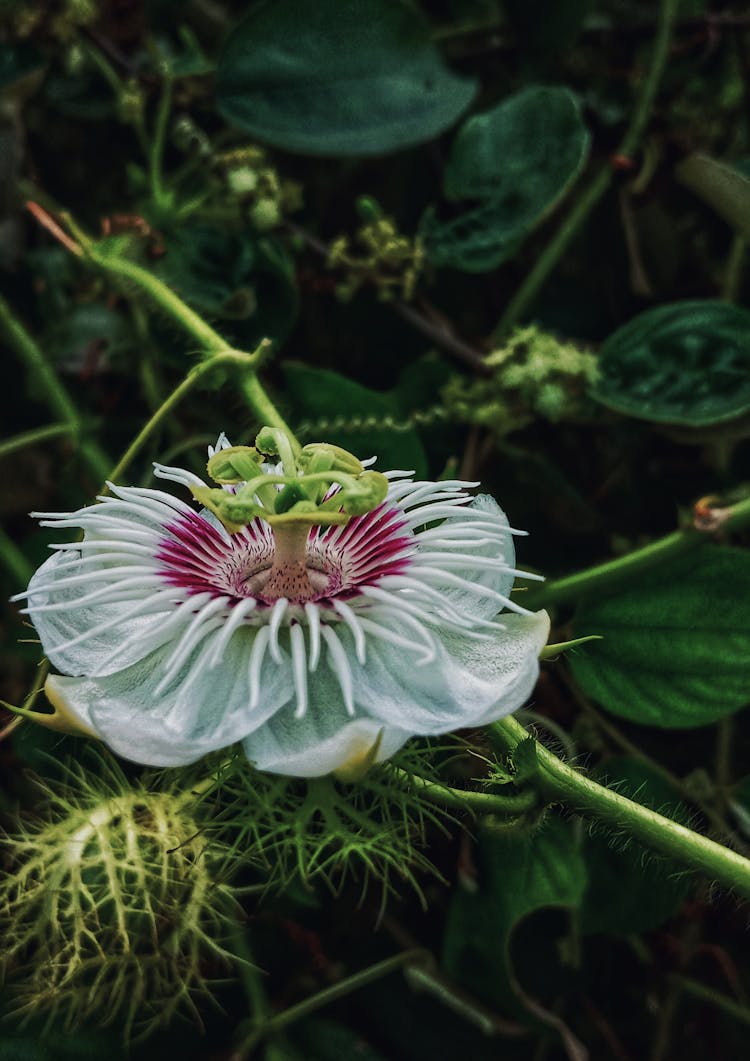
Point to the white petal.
(203, 710)
(499, 580)
(326, 739)
(57, 627)
(469, 683)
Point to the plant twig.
(611, 572)
(576, 218)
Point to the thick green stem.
(575, 220)
(209, 341)
(612, 572)
(562, 783)
(55, 395)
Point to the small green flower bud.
(243, 180)
(369, 209)
(265, 214)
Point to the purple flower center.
(316, 565)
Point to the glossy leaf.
(676, 642)
(518, 874)
(518, 160)
(683, 363)
(359, 78)
(630, 890)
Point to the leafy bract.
(516, 161)
(331, 78)
(675, 648)
(682, 363)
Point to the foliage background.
(247, 188)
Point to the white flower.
(320, 648)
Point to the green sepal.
(60, 720)
(525, 761)
(552, 651)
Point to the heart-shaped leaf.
(517, 160)
(330, 78)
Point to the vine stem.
(554, 251)
(325, 997)
(33, 437)
(55, 395)
(463, 799)
(209, 341)
(228, 358)
(559, 782)
(611, 572)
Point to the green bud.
(265, 214)
(243, 180)
(369, 209)
(234, 465)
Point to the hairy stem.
(562, 783)
(575, 220)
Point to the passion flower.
(319, 612)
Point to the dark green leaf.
(518, 160)
(676, 646)
(524, 152)
(474, 242)
(518, 874)
(359, 78)
(629, 890)
(337, 409)
(683, 363)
